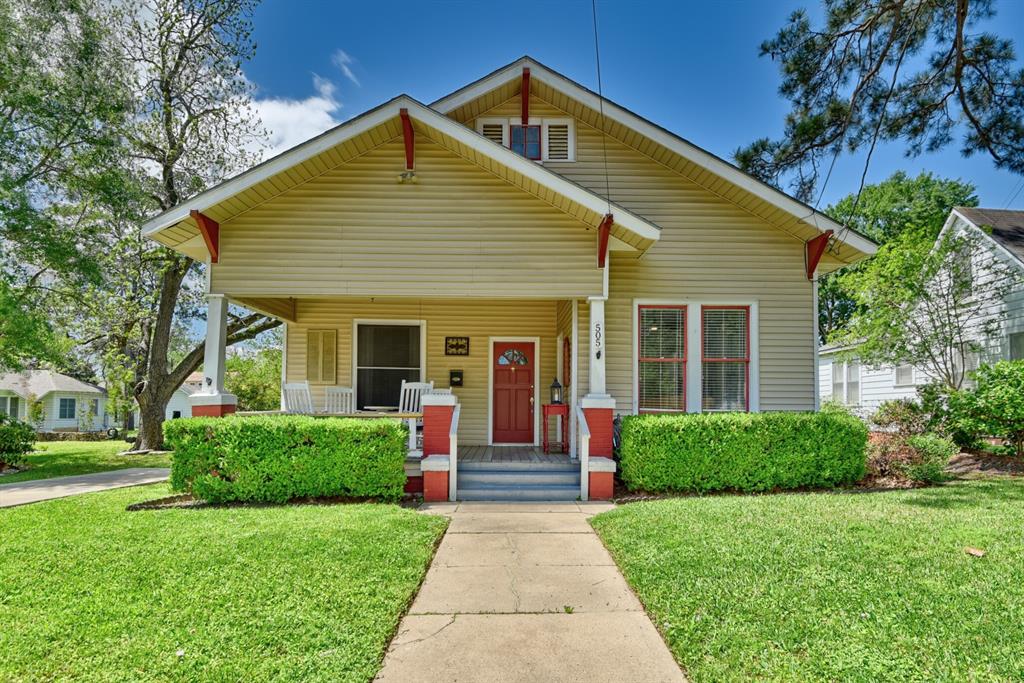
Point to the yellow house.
(516, 231)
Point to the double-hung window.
(386, 354)
(1017, 346)
(525, 140)
(66, 409)
(662, 358)
(725, 358)
(846, 382)
(9, 406)
(903, 375)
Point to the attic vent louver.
(558, 142)
(494, 132)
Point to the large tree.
(899, 208)
(914, 71)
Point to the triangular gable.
(177, 229)
(710, 171)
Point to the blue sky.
(692, 67)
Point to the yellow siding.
(477, 319)
(355, 231)
(710, 250)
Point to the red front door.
(513, 392)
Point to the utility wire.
(600, 101)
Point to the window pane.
(904, 375)
(382, 387)
(725, 333)
(853, 383)
(389, 346)
(663, 333)
(725, 386)
(1017, 346)
(12, 408)
(662, 385)
(67, 409)
(3, 406)
(837, 381)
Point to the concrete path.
(24, 492)
(525, 592)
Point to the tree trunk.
(151, 427)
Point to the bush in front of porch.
(742, 451)
(278, 458)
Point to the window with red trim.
(725, 356)
(662, 359)
(525, 140)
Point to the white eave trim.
(685, 149)
(376, 117)
(1006, 253)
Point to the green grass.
(63, 458)
(858, 587)
(91, 592)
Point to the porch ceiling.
(176, 229)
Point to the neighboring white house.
(863, 388)
(179, 405)
(69, 405)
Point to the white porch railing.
(583, 448)
(453, 453)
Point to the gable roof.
(1007, 227)
(777, 207)
(175, 228)
(39, 383)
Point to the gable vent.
(495, 132)
(558, 142)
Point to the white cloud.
(342, 60)
(291, 122)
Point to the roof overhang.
(505, 80)
(176, 227)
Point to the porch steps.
(512, 481)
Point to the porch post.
(212, 400)
(599, 411)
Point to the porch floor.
(523, 454)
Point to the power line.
(600, 102)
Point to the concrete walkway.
(24, 492)
(525, 592)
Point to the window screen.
(1017, 346)
(386, 355)
(726, 357)
(662, 359)
(904, 375)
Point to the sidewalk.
(38, 490)
(525, 592)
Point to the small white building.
(862, 388)
(179, 405)
(69, 404)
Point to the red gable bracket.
(604, 231)
(815, 248)
(525, 96)
(210, 230)
(407, 134)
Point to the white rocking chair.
(410, 400)
(297, 398)
(338, 400)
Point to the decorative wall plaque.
(456, 346)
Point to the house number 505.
(597, 340)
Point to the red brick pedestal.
(212, 405)
(438, 413)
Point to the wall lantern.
(556, 392)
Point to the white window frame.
(844, 399)
(694, 340)
(896, 375)
(1009, 343)
(356, 322)
(5, 402)
(74, 407)
(544, 123)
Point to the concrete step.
(473, 477)
(470, 465)
(518, 493)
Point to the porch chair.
(297, 398)
(446, 392)
(338, 400)
(410, 401)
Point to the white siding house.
(69, 405)
(843, 379)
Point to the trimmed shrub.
(996, 405)
(931, 455)
(277, 458)
(742, 451)
(16, 441)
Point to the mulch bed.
(186, 501)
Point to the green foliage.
(742, 451)
(275, 459)
(922, 74)
(16, 441)
(995, 407)
(255, 378)
(902, 415)
(931, 454)
(35, 411)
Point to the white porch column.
(212, 400)
(598, 385)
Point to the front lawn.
(861, 587)
(62, 458)
(91, 592)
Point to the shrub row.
(742, 451)
(277, 458)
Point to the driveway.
(38, 490)
(525, 592)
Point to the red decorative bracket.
(815, 249)
(210, 230)
(604, 232)
(525, 96)
(407, 134)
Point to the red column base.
(602, 485)
(413, 485)
(599, 420)
(435, 487)
(437, 421)
(213, 411)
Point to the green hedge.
(16, 441)
(742, 451)
(277, 458)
